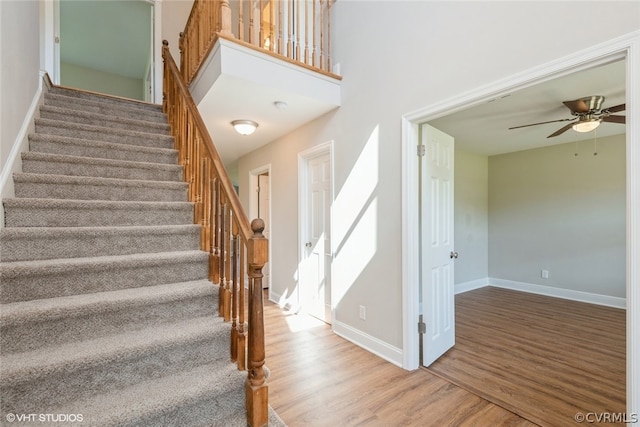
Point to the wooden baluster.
(329, 35)
(307, 32)
(227, 263)
(314, 49)
(256, 389)
(241, 20)
(235, 301)
(252, 35)
(298, 19)
(223, 255)
(280, 26)
(289, 28)
(242, 331)
(197, 210)
(272, 20)
(261, 21)
(225, 18)
(214, 254)
(321, 64)
(205, 241)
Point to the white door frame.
(253, 207)
(303, 221)
(52, 45)
(627, 46)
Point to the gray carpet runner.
(106, 312)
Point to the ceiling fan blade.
(616, 108)
(561, 130)
(615, 119)
(577, 106)
(541, 123)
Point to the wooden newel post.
(256, 388)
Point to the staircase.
(106, 311)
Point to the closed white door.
(315, 268)
(438, 253)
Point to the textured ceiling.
(112, 36)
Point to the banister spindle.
(256, 388)
(225, 17)
(214, 257)
(227, 263)
(321, 64)
(235, 302)
(290, 28)
(242, 331)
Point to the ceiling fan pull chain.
(595, 142)
(576, 149)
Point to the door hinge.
(421, 150)
(422, 327)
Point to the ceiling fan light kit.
(588, 114)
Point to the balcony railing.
(293, 30)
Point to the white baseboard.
(459, 288)
(21, 143)
(372, 344)
(560, 293)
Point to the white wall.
(19, 76)
(471, 204)
(552, 210)
(100, 81)
(397, 57)
(174, 18)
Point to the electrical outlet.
(363, 312)
(544, 274)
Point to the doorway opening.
(260, 207)
(622, 48)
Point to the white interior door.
(437, 250)
(315, 271)
(264, 200)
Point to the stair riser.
(102, 171)
(73, 383)
(100, 152)
(98, 192)
(144, 140)
(114, 320)
(16, 216)
(106, 100)
(75, 246)
(101, 108)
(106, 122)
(82, 280)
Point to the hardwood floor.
(320, 379)
(543, 358)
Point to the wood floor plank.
(320, 379)
(543, 358)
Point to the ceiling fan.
(588, 114)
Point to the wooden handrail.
(237, 249)
(295, 30)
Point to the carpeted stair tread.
(89, 188)
(26, 212)
(96, 119)
(97, 106)
(59, 164)
(100, 133)
(195, 397)
(28, 243)
(25, 280)
(28, 325)
(104, 98)
(55, 144)
(62, 374)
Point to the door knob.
(453, 255)
(308, 244)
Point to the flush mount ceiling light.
(586, 125)
(244, 127)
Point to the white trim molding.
(627, 47)
(471, 285)
(372, 344)
(560, 293)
